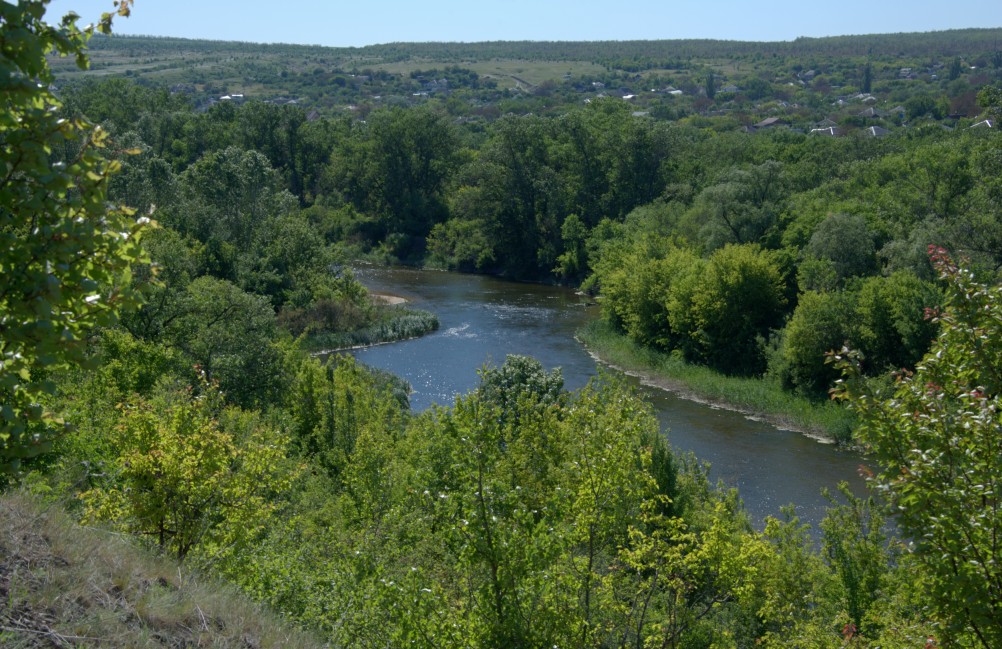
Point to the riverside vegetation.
(750, 253)
(151, 382)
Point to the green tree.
(332, 405)
(675, 574)
(990, 101)
(844, 241)
(794, 588)
(935, 181)
(229, 195)
(146, 182)
(955, 68)
(462, 245)
(856, 549)
(923, 105)
(65, 255)
(394, 168)
(177, 265)
(191, 473)
(867, 82)
(710, 85)
(275, 132)
(520, 379)
(741, 208)
(757, 89)
(978, 234)
(892, 330)
(642, 296)
(230, 335)
(414, 153)
(821, 323)
(729, 309)
(573, 262)
(582, 151)
(120, 104)
(935, 438)
(640, 157)
(292, 264)
(517, 195)
(315, 144)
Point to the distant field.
(508, 73)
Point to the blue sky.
(359, 23)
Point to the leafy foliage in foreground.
(64, 256)
(191, 472)
(935, 436)
(521, 515)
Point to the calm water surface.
(484, 319)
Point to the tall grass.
(394, 323)
(758, 396)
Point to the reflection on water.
(462, 331)
(483, 319)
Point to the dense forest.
(171, 256)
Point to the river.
(483, 319)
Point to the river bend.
(483, 319)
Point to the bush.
(730, 308)
(822, 322)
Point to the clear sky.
(357, 23)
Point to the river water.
(483, 319)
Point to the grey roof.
(871, 112)
(770, 121)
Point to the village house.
(829, 131)
(872, 113)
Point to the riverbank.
(757, 398)
(387, 299)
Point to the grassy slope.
(753, 396)
(62, 585)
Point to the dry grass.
(66, 586)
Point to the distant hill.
(276, 69)
(827, 86)
(610, 53)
